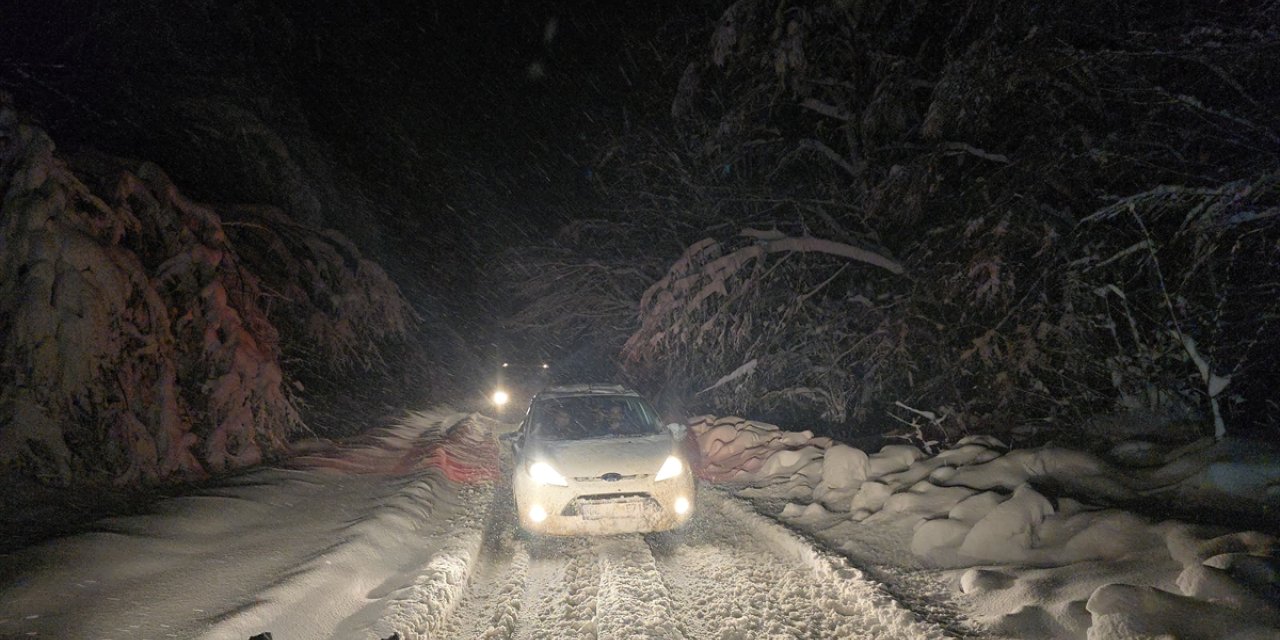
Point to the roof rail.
(586, 389)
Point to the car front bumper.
(593, 506)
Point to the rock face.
(137, 343)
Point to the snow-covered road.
(411, 532)
(733, 575)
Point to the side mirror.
(677, 430)
(514, 438)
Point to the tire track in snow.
(420, 609)
(841, 588)
(490, 608)
(726, 584)
(633, 602)
(737, 575)
(506, 615)
(562, 587)
(608, 588)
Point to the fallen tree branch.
(746, 369)
(832, 154)
(829, 110)
(831, 247)
(974, 151)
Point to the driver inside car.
(616, 421)
(561, 422)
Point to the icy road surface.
(411, 532)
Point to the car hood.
(598, 456)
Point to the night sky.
(465, 128)
(500, 93)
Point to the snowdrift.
(1032, 541)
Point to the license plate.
(601, 510)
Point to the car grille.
(649, 504)
(610, 477)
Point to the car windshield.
(582, 417)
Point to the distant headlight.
(542, 473)
(500, 397)
(670, 469)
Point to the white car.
(596, 460)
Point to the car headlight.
(500, 397)
(670, 469)
(542, 473)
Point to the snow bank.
(466, 452)
(1026, 537)
(357, 541)
(738, 451)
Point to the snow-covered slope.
(1021, 540)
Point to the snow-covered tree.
(138, 344)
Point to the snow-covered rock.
(1096, 535)
(988, 441)
(843, 471)
(975, 507)
(1216, 585)
(743, 451)
(1261, 573)
(1009, 529)
(790, 462)
(891, 459)
(870, 498)
(844, 467)
(981, 580)
(933, 537)
(1128, 612)
(925, 499)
